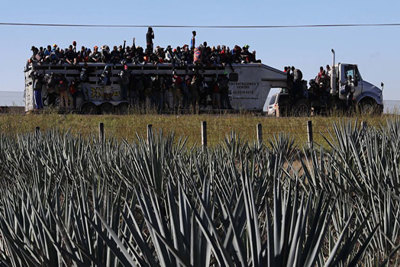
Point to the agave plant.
(70, 201)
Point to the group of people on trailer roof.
(163, 92)
(202, 54)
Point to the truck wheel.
(107, 108)
(284, 111)
(89, 108)
(122, 108)
(369, 107)
(301, 108)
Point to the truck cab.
(368, 97)
(325, 98)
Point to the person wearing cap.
(95, 56)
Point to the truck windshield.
(353, 71)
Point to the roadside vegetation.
(187, 126)
(66, 200)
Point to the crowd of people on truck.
(170, 92)
(319, 87)
(162, 92)
(203, 54)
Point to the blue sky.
(375, 50)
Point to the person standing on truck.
(62, 90)
(194, 86)
(193, 41)
(176, 91)
(124, 81)
(349, 90)
(149, 41)
(224, 91)
(37, 88)
(84, 80)
(319, 75)
(328, 72)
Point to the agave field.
(66, 200)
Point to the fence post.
(101, 132)
(259, 134)
(204, 134)
(37, 131)
(149, 132)
(310, 134)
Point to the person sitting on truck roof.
(95, 56)
(106, 54)
(82, 55)
(168, 55)
(245, 54)
(70, 56)
(115, 55)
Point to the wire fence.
(309, 133)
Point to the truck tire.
(301, 108)
(284, 110)
(122, 109)
(369, 107)
(89, 108)
(107, 108)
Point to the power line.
(199, 26)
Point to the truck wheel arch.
(368, 105)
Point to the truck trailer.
(249, 84)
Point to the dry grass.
(218, 126)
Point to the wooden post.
(149, 133)
(259, 134)
(101, 132)
(310, 134)
(37, 131)
(204, 134)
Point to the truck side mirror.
(355, 82)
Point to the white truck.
(249, 86)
